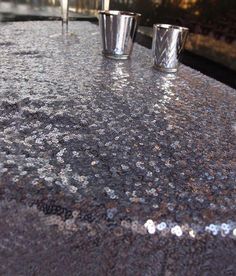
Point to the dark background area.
(208, 17)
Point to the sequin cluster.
(193, 231)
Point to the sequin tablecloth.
(109, 167)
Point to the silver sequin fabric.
(110, 167)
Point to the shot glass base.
(117, 57)
(166, 70)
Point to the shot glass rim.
(119, 13)
(169, 27)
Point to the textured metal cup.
(118, 29)
(168, 43)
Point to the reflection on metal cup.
(168, 43)
(118, 29)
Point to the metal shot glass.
(167, 45)
(118, 29)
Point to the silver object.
(105, 5)
(168, 43)
(118, 29)
(64, 14)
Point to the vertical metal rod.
(105, 5)
(64, 14)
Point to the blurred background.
(211, 47)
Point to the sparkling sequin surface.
(112, 158)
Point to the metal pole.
(105, 5)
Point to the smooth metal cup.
(118, 29)
(167, 45)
